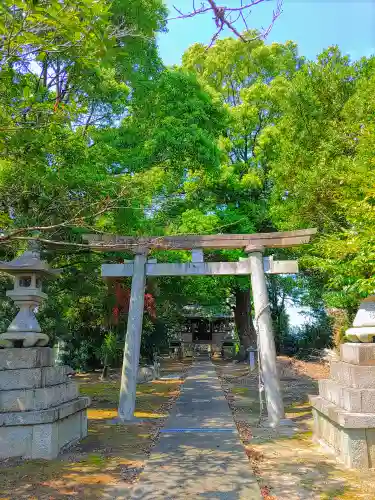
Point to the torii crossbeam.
(255, 265)
(110, 242)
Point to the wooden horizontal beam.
(109, 242)
(200, 268)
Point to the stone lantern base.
(344, 411)
(40, 408)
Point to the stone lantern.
(363, 329)
(41, 411)
(28, 272)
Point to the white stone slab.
(33, 378)
(280, 266)
(20, 358)
(353, 447)
(357, 376)
(341, 417)
(358, 353)
(352, 400)
(37, 399)
(197, 255)
(42, 441)
(54, 375)
(16, 441)
(28, 378)
(22, 418)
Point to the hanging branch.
(229, 17)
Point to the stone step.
(343, 418)
(354, 447)
(37, 399)
(44, 416)
(42, 434)
(33, 378)
(351, 375)
(353, 400)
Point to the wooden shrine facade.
(203, 326)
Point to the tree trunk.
(104, 374)
(243, 319)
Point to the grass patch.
(101, 391)
(336, 493)
(240, 390)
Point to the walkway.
(199, 454)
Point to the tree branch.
(223, 17)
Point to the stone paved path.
(206, 459)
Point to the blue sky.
(313, 24)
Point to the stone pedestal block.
(40, 411)
(344, 411)
(37, 399)
(353, 400)
(356, 376)
(33, 357)
(358, 354)
(355, 448)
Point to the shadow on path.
(199, 454)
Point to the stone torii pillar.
(133, 339)
(266, 340)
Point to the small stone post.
(133, 340)
(275, 406)
(252, 358)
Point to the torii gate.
(255, 265)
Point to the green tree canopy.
(321, 169)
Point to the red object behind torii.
(123, 300)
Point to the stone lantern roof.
(28, 262)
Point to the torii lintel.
(110, 242)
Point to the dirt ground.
(288, 464)
(111, 453)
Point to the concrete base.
(344, 411)
(40, 411)
(42, 440)
(355, 448)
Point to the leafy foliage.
(96, 134)
(321, 170)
